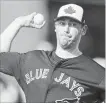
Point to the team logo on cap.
(69, 10)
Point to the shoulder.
(93, 64)
(37, 53)
(94, 69)
(29, 53)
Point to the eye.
(62, 23)
(73, 24)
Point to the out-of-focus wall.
(27, 38)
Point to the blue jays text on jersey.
(69, 82)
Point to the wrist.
(19, 21)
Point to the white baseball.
(38, 19)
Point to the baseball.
(38, 19)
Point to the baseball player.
(63, 75)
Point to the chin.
(66, 46)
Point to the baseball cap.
(72, 11)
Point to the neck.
(67, 53)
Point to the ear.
(55, 27)
(84, 29)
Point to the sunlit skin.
(69, 33)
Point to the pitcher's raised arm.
(23, 21)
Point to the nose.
(67, 29)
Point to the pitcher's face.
(68, 33)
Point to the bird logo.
(68, 100)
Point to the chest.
(42, 80)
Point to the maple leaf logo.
(69, 10)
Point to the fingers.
(37, 26)
(30, 21)
(32, 15)
(43, 24)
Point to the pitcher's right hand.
(28, 21)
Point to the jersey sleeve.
(10, 64)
